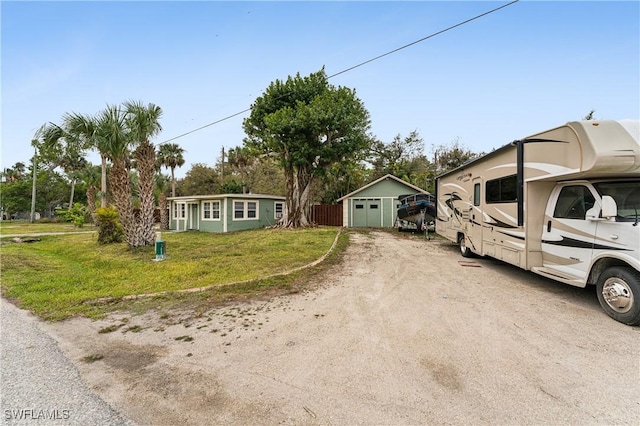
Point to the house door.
(193, 220)
(181, 216)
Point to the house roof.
(387, 176)
(192, 198)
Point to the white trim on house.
(245, 210)
(211, 210)
(180, 215)
(224, 215)
(275, 209)
(193, 198)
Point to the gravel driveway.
(402, 332)
(39, 385)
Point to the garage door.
(367, 212)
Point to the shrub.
(76, 215)
(109, 228)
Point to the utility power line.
(358, 65)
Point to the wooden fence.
(327, 214)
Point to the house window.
(211, 210)
(245, 210)
(252, 212)
(503, 190)
(279, 209)
(179, 210)
(238, 210)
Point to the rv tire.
(465, 251)
(619, 294)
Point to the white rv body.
(564, 203)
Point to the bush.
(109, 228)
(76, 215)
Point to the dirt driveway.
(400, 333)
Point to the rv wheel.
(619, 294)
(464, 250)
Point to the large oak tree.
(307, 125)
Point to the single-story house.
(375, 205)
(224, 212)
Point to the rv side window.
(627, 197)
(503, 190)
(476, 194)
(573, 202)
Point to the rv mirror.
(609, 207)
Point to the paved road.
(38, 384)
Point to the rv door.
(568, 237)
(476, 217)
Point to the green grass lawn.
(15, 227)
(57, 276)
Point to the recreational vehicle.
(563, 203)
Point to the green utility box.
(161, 249)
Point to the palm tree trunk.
(121, 190)
(91, 201)
(73, 190)
(173, 182)
(164, 212)
(146, 157)
(103, 186)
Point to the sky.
(525, 68)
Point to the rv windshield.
(627, 197)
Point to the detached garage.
(375, 204)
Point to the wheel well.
(601, 265)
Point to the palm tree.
(162, 183)
(16, 173)
(64, 147)
(171, 156)
(87, 126)
(111, 130)
(73, 167)
(143, 123)
(91, 176)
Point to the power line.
(358, 65)
(423, 39)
